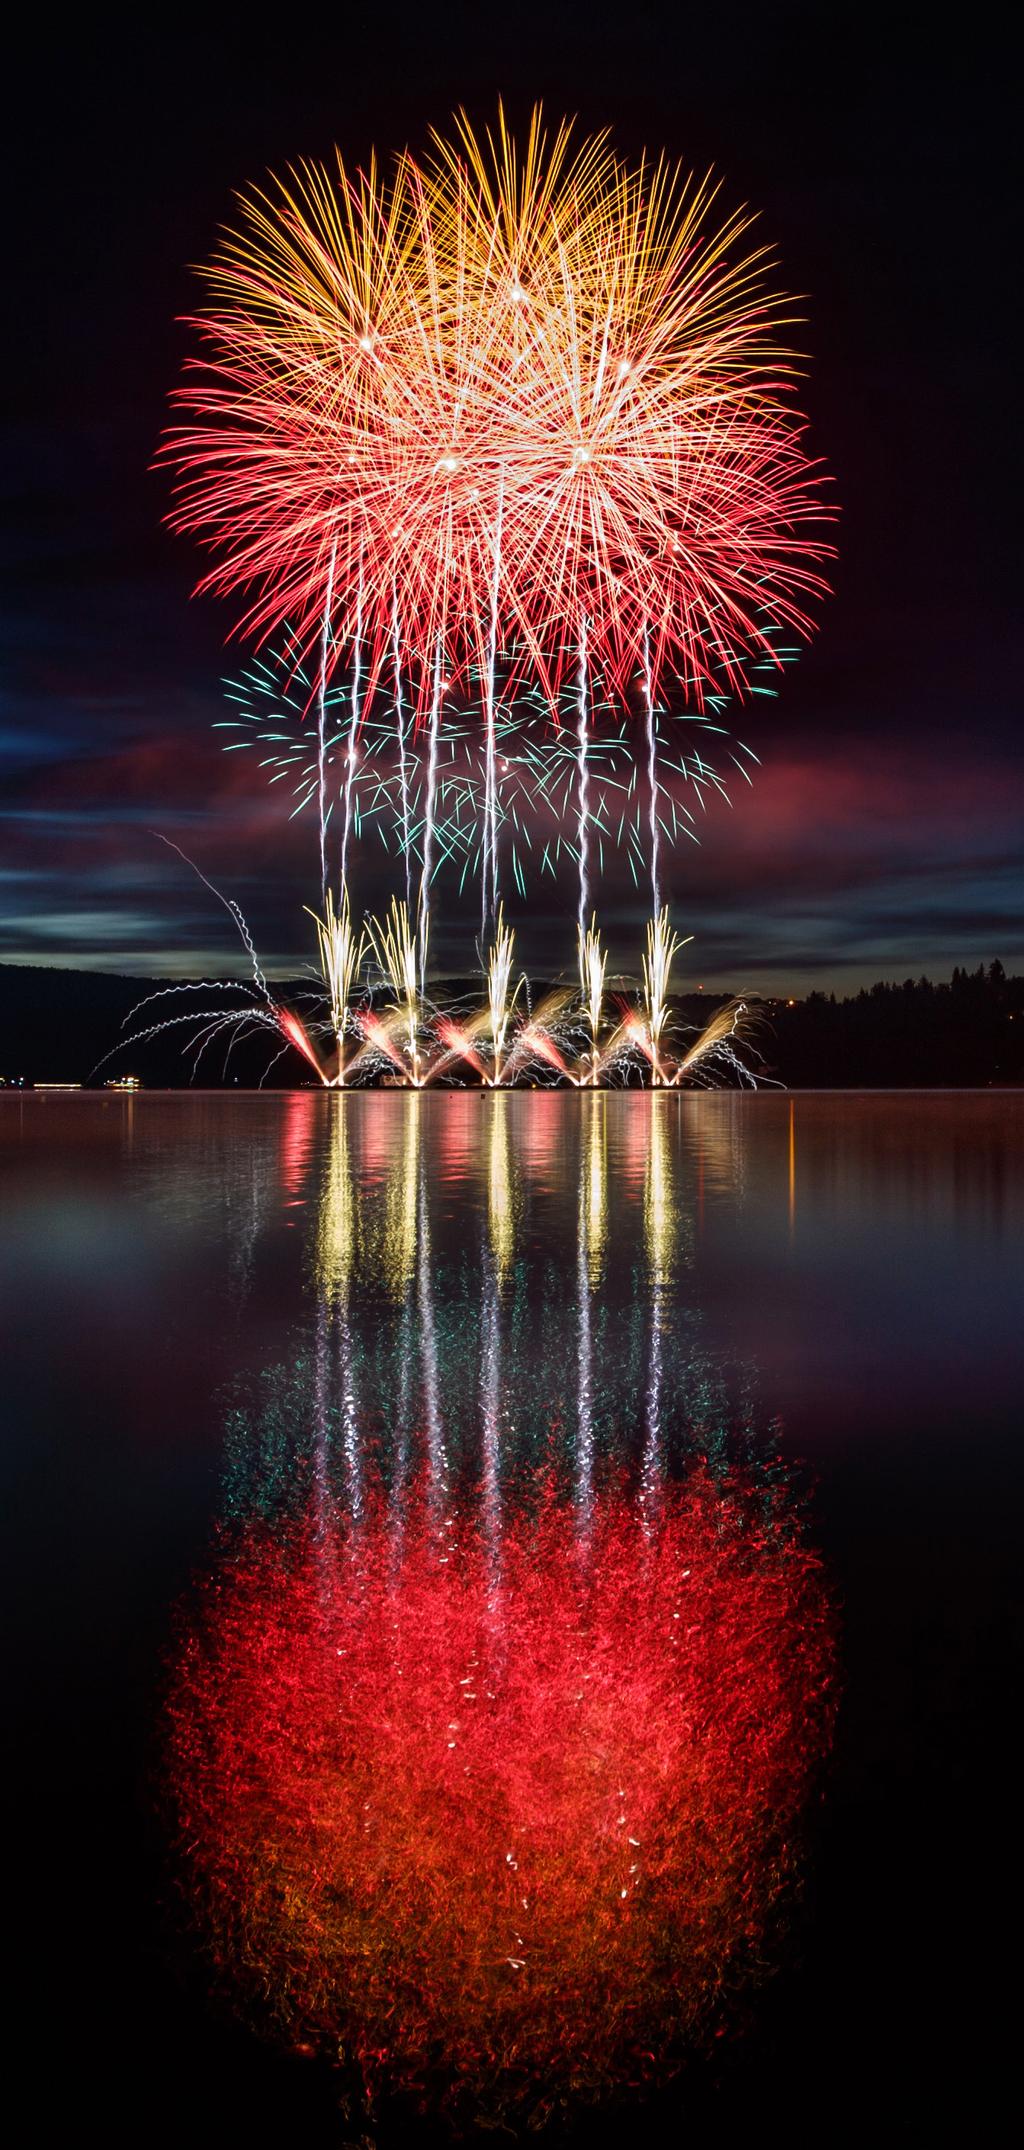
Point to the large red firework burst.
(503, 1815)
(503, 400)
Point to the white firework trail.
(353, 731)
(233, 908)
(321, 723)
(489, 875)
(583, 821)
(652, 777)
(428, 818)
(403, 762)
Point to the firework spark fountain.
(500, 1002)
(341, 954)
(394, 944)
(593, 964)
(662, 946)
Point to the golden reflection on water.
(398, 1239)
(596, 1169)
(501, 1208)
(336, 1230)
(659, 1194)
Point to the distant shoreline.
(966, 1032)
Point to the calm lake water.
(231, 1319)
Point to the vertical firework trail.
(428, 818)
(403, 763)
(353, 732)
(489, 877)
(652, 774)
(321, 724)
(583, 824)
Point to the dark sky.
(883, 834)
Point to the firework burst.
(496, 397)
(508, 428)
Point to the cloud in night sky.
(831, 867)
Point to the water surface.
(215, 1306)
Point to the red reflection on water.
(456, 1133)
(380, 1119)
(541, 1135)
(502, 1820)
(298, 1128)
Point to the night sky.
(882, 837)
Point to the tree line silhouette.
(56, 1025)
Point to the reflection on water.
(503, 1812)
(486, 1354)
(500, 1370)
(493, 1724)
